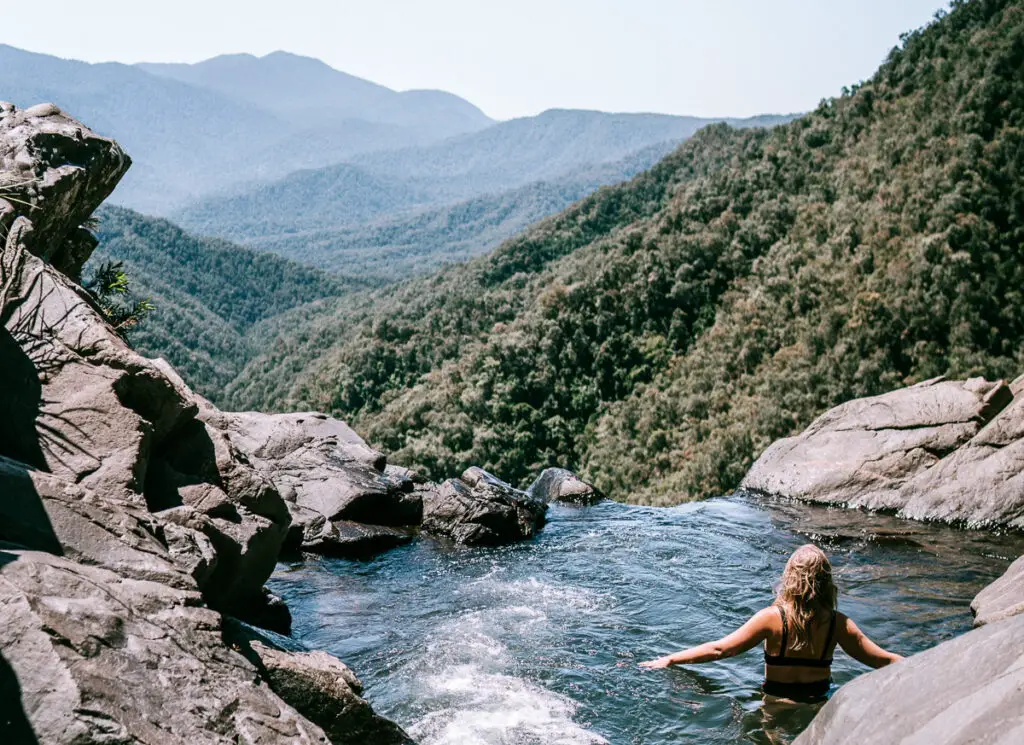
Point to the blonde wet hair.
(805, 592)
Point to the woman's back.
(812, 661)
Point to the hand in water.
(657, 664)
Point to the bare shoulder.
(768, 617)
(845, 624)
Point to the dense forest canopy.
(210, 298)
(659, 334)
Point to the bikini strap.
(782, 613)
(831, 633)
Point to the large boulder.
(319, 686)
(321, 464)
(967, 690)
(89, 656)
(882, 453)
(479, 509)
(1001, 599)
(59, 171)
(561, 485)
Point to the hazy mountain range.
(220, 144)
(195, 129)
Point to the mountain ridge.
(189, 140)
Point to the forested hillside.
(419, 241)
(658, 335)
(553, 146)
(210, 296)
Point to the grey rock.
(561, 485)
(99, 658)
(152, 520)
(355, 540)
(966, 690)
(79, 402)
(313, 533)
(1001, 599)
(878, 452)
(57, 171)
(325, 472)
(981, 484)
(319, 686)
(41, 512)
(481, 509)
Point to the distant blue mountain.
(196, 129)
(305, 90)
(570, 151)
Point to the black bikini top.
(781, 659)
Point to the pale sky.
(512, 57)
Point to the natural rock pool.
(538, 643)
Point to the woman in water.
(800, 630)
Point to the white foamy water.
(467, 682)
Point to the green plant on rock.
(110, 288)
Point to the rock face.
(320, 687)
(479, 509)
(326, 473)
(967, 690)
(940, 450)
(60, 171)
(1001, 599)
(99, 658)
(560, 485)
(132, 513)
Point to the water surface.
(538, 643)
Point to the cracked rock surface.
(940, 450)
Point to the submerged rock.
(967, 690)
(481, 509)
(941, 449)
(561, 485)
(1001, 599)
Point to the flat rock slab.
(967, 690)
(981, 484)
(901, 451)
(358, 540)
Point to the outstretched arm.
(749, 635)
(856, 644)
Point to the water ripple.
(537, 644)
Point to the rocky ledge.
(940, 450)
(137, 521)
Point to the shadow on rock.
(14, 724)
